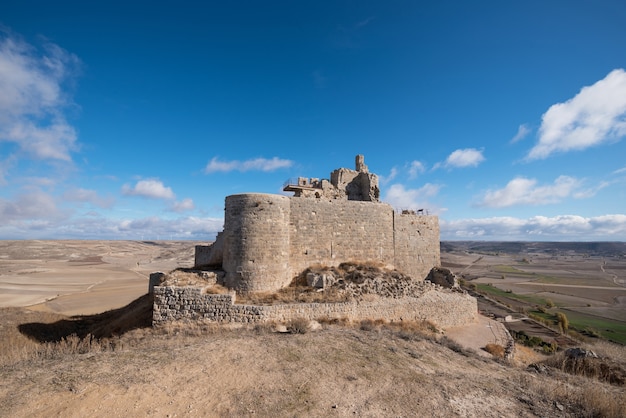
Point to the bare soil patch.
(83, 277)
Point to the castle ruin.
(269, 239)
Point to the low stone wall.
(442, 307)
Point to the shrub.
(495, 350)
(549, 303)
(562, 320)
(298, 326)
(549, 348)
(371, 324)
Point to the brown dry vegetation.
(53, 365)
(350, 281)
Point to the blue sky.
(134, 120)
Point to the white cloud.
(88, 196)
(469, 157)
(32, 98)
(183, 205)
(33, 207)
(5, 166)
(523, 191)
(620, 171)
(93, 226)
(597, 114)
(522, 132)
(537, 228)
(152, 188)
(416, 168)
(392, 175)
(257, 164)
(592, 191)
(401, 198)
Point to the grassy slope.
(343, 370)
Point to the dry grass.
(603, 369)
(292, 294)
(299, 326)
(299, 292)
(585, 397)
(351, 354)
(216, 289)
(495, 350)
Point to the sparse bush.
(371, 324)
(549, 348)
(495, 350)
(549, 303)
(602, 369)
(562, 321)
(298, 326)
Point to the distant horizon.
(120, 120)
(205, 240)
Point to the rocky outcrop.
(443, 277)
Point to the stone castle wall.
(188, 303)
(269, 239)
(416, 244)
(331, 232)
(256, 242)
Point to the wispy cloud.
(5, 166)
(32, 98)
(389, 177)
(88, 196)
(256, 164)
(94, 226)
(524, 191)
(33, 208)
(319, 79)
(363, 22)
(415, 169)
(151, 188)
(461, 158)
(401, 198)
(539, 228)
(522, 132)
(591, 191)
(597, 114)
(183, 206)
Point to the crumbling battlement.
(358, 184)
(269, 239)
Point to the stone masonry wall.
(256, 242)
(443, 308)
(331, 232)
(269, 239)
(416, 244)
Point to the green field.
(607, 328)
(494, 291)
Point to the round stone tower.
(256, 242)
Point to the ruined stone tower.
(269, 239)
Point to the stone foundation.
(443, 308)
